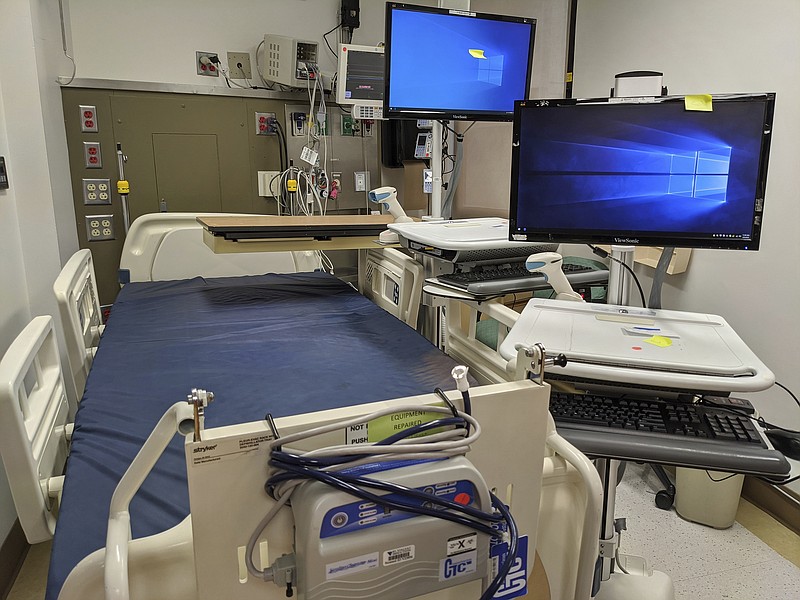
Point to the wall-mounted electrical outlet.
(99, 228)
(96, 191)
(239, 65)
(207, 63)
(92, 159)
(266, 124)
(88, 118)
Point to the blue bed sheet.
(284, 344)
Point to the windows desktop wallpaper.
(639, 168)
(449, 62)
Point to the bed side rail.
(393, 280)
(75, 289)
(462, 343)
(34, 426)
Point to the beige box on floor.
(707, 497)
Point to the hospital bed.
(333, 349)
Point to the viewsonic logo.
(626, 240)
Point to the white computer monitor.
(359, 81)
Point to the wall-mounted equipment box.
(289, 61)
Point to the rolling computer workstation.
(640, 384)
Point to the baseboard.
(12, 555)
(779, 504)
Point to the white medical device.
(549, 264)
(289, 61)
(387, 197)
(359, 80)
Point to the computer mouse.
(785, 442)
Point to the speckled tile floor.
(707, 563)
(704, 563)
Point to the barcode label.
(398, 555)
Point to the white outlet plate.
(264, 178)
(361, 181)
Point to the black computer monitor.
(453, 64)
(641, 171)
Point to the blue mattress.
(283, 344)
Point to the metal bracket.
(608, 548)
(199, 399)
(533, 360)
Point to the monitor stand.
(640, 581)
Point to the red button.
(463, 499)
(636, 347)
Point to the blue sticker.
(516, 582)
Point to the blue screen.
(640, 169)
(443, 62)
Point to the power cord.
(603, 254)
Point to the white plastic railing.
(178, 418)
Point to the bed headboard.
(168, 246)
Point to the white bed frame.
(164, 246)
(34, 426)
(79, 306)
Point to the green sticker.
(383, 427)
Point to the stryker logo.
(202, 449)
(626, 240)
(457, 566)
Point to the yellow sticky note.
(660, 341)
(698, 102)
(476, 53)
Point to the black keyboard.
(652, 415)
(646, 428)
(515, 277)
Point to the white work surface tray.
(635, 345)
(460, 234)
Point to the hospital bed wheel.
(664, 499)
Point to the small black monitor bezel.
(641, 238)
(449, 114)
